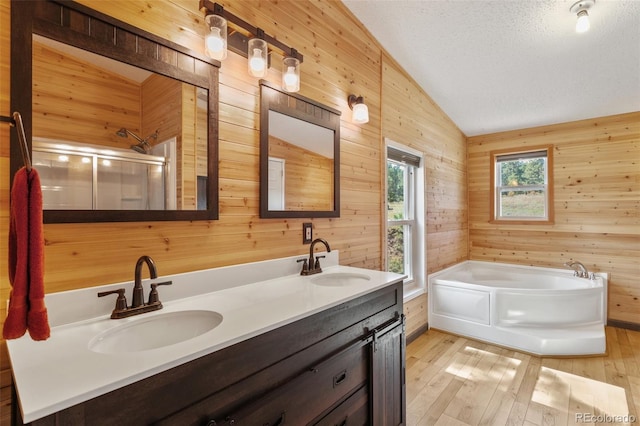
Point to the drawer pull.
(339, 378)
(278, 422)
(343, 423)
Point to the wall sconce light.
(227, 31)
(360, 113)
(580, 8)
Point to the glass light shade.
(360, 113)
(291, 74)
(582, 24)
(215, 42)
(257, 53)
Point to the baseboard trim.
(624, 324)
(419, 331)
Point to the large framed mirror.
(123, 125)
(299, 156)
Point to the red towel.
(27, 310)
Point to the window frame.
(415, 285)
(547, 188)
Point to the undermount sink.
(339, 279)
(155, 332)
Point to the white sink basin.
(155, 332)
(339, 279)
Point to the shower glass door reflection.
(66, 180)
(104, 179)
(128, 185)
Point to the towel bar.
(16, 122)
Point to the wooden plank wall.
(188, 149)
(308, 176)
(597, 204)
(64, 107)
(340, 59)
(161, 103)
(411, 118)
(5, 89)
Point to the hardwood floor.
(455, 381)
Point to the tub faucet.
(311, 266)
(579, 270)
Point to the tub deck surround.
(253, 299)
(543, 311)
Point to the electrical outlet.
(307, 233)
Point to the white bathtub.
(538, 310)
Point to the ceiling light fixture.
(360, 113)
(227, 31)
(581, 8)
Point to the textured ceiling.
(512, 64)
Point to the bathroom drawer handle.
(278, 422)
(343, 422)
(339, 378)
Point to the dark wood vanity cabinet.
(341, 366)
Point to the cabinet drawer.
(304, 398)
(352, 412)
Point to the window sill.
(521, 222)
(413, 290)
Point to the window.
(405, 216)
(521, 186)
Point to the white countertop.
(62, 371)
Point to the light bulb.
(290, 78)
(360, 113)
(257, 63)
(214, 42)
(582, 24)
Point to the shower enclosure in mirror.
(81, 177)
(120, 120)
(299, 156)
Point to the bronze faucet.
(310, 267)
(137, 305)
(138, 292)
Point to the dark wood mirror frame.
(305, 109)
(85, 28)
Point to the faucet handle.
(305, 266)
(317, 264)
(121, 301)
(153, 294)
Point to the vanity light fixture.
(229, 32)
(215, 42)
(257, 52)
(291, 72)
(360, 113)
(581, 8)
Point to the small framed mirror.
(123, 124)
(299, 156)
